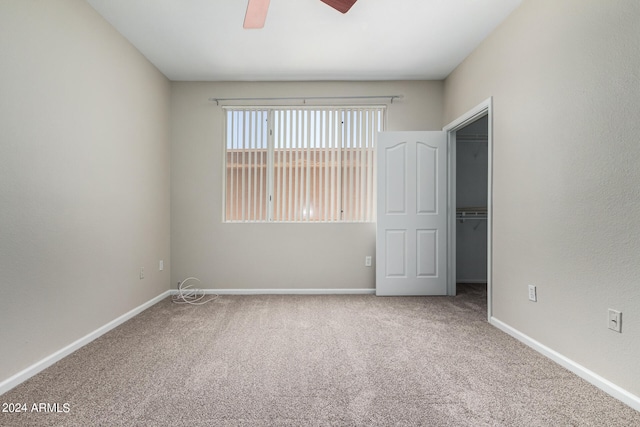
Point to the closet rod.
(305, 98)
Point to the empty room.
(319, 212)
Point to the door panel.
(427, 178)
(427, 253)
(395, 257)
(395, 177)
(411, 228)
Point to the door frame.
(485, 108)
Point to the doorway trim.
(485, 108)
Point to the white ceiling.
(306, 39)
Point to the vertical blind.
(304, 164)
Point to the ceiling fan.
(257, 11)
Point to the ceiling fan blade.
(340, 5)
(256, 14)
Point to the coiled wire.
(190, 295)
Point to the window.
(308, 164)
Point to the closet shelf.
(473, 137)
(471, 213)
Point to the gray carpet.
(314, 360)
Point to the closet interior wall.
(471, 202)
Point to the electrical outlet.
(142, 272)
(533, 295)
(161, 265)
(615, 320)
(367, 261)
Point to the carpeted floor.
(313, 361)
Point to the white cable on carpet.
(190, 295)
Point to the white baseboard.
(27, 373)
(357, 291)
(584, 373)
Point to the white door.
(411, 231)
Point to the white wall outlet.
(367, 261)
(615, 320)
(161, 265)
(533, 294)
(142, 272)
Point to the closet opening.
(471, 203)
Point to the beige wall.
(565, 81)
(84, 177)
(268, 256)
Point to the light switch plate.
(615, 320)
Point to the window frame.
(376, 124)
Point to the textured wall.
(564, 77)
(275, 256)
(84, 177)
